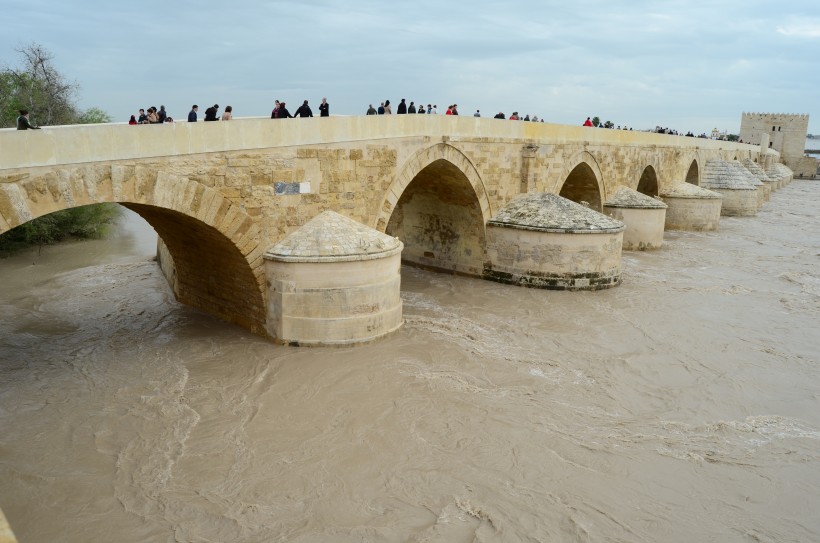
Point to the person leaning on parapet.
(324, 108)
(402, 109)
(303, 110)
(275, 113)
(381, 109)
(477, 113)
(499, 115)
(588, 122)
(411, 108)
(228, 115)
(211, 113)
(23, 123)
(143, 117)
(192, 113)
(421, 109)
(162, 114)
(388, 110)
(371, 110)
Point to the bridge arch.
(212, 242)
(438, 206)
(582, 181)
(648, 183)
(693, 173)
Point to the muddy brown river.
(682, 406)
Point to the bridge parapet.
(77, 144)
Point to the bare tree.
(40, 88)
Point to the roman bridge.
(220, 194)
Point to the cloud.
(800, 30)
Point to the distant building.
(718, 135)
(787, 135)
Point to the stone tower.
(787, 135)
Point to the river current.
(683, 405)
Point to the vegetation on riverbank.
(86, 222)
(37, 86)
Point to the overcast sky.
(689, 65)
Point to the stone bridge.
(220, 194)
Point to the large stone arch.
(213, 243)
(648, 182)
(582, 181)
(437, 205)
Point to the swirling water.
(679, 406)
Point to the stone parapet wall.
(61, 145)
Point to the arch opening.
(438, 218)
(204, 267)
(693, 175)
(648, 183)
(581, 185)
(206, 270)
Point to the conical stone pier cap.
(331, 237)
(688, 190)
(755, 169)
(626, 197)
(548, 212)
(720, 174)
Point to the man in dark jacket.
(210, 113)
(303, 110)
(402, 109)
(192, 113)
(23, 123)
(324, 108)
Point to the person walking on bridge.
(303, 110)
(283, 112)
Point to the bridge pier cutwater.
(221, 195)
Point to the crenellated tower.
(787, 135)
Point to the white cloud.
(800, 30)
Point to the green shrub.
(86, 222)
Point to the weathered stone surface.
(552, 213)
(626, 197)
(755, 169)
(740, 197)
(333, 282)
(643, 216)
(720, 174)
(333, 237)
(687, 190)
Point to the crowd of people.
(153, 116)
(280, 111)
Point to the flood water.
(682, 406)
